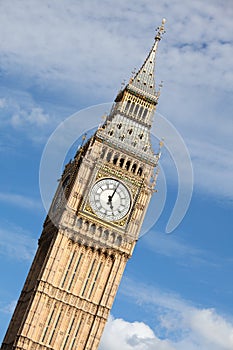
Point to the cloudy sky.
(59, 57)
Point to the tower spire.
(129, 121)
(143, 82)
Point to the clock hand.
(109, 202)
(114, 191)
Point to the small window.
(140, 171)
(86, 225)
(140, 112)
(118, 241)
(121, 162)
(132, 107)
(145, 113)
(127, 106)
(102, 154)
(99, 231)
(127, 165)
(134, 168)
(136, 109)
(109, 156)
(92, 228)
(115, 159)
(105, 234)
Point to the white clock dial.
(110, 199)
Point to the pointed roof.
(143, 82)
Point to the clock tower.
(92, 227)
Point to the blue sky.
(57, 58)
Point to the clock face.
(110, 199)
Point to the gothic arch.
(121, 163)
(133, 169)
(127, 165)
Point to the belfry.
(92, 227)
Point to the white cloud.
(173, 246)
(20, 201)
(86, 42)
(179, 324)
(213, 163)
(36, 117)
(16, 243)
(18, 113)
(22, 114)
(120, 334)
(211, 328)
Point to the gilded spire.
(143, 82)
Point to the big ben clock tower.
(92, 227)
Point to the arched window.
(105, 234)
(121, 162)
(118, 241)
(115, 159)
(140, 171)
(132, 107)
(85, 226)
(136, 109)
(140, 112)
(99, 231)
(109, 156)
(127, 105)
(112, 237)
(145, 113)
(93, 228)
(127, 165)
(102, 154)
(134, 168)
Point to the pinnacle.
(143, 82)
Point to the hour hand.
(109, 202)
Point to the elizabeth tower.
(92, 227)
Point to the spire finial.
(160, 30)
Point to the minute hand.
(115, 190)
